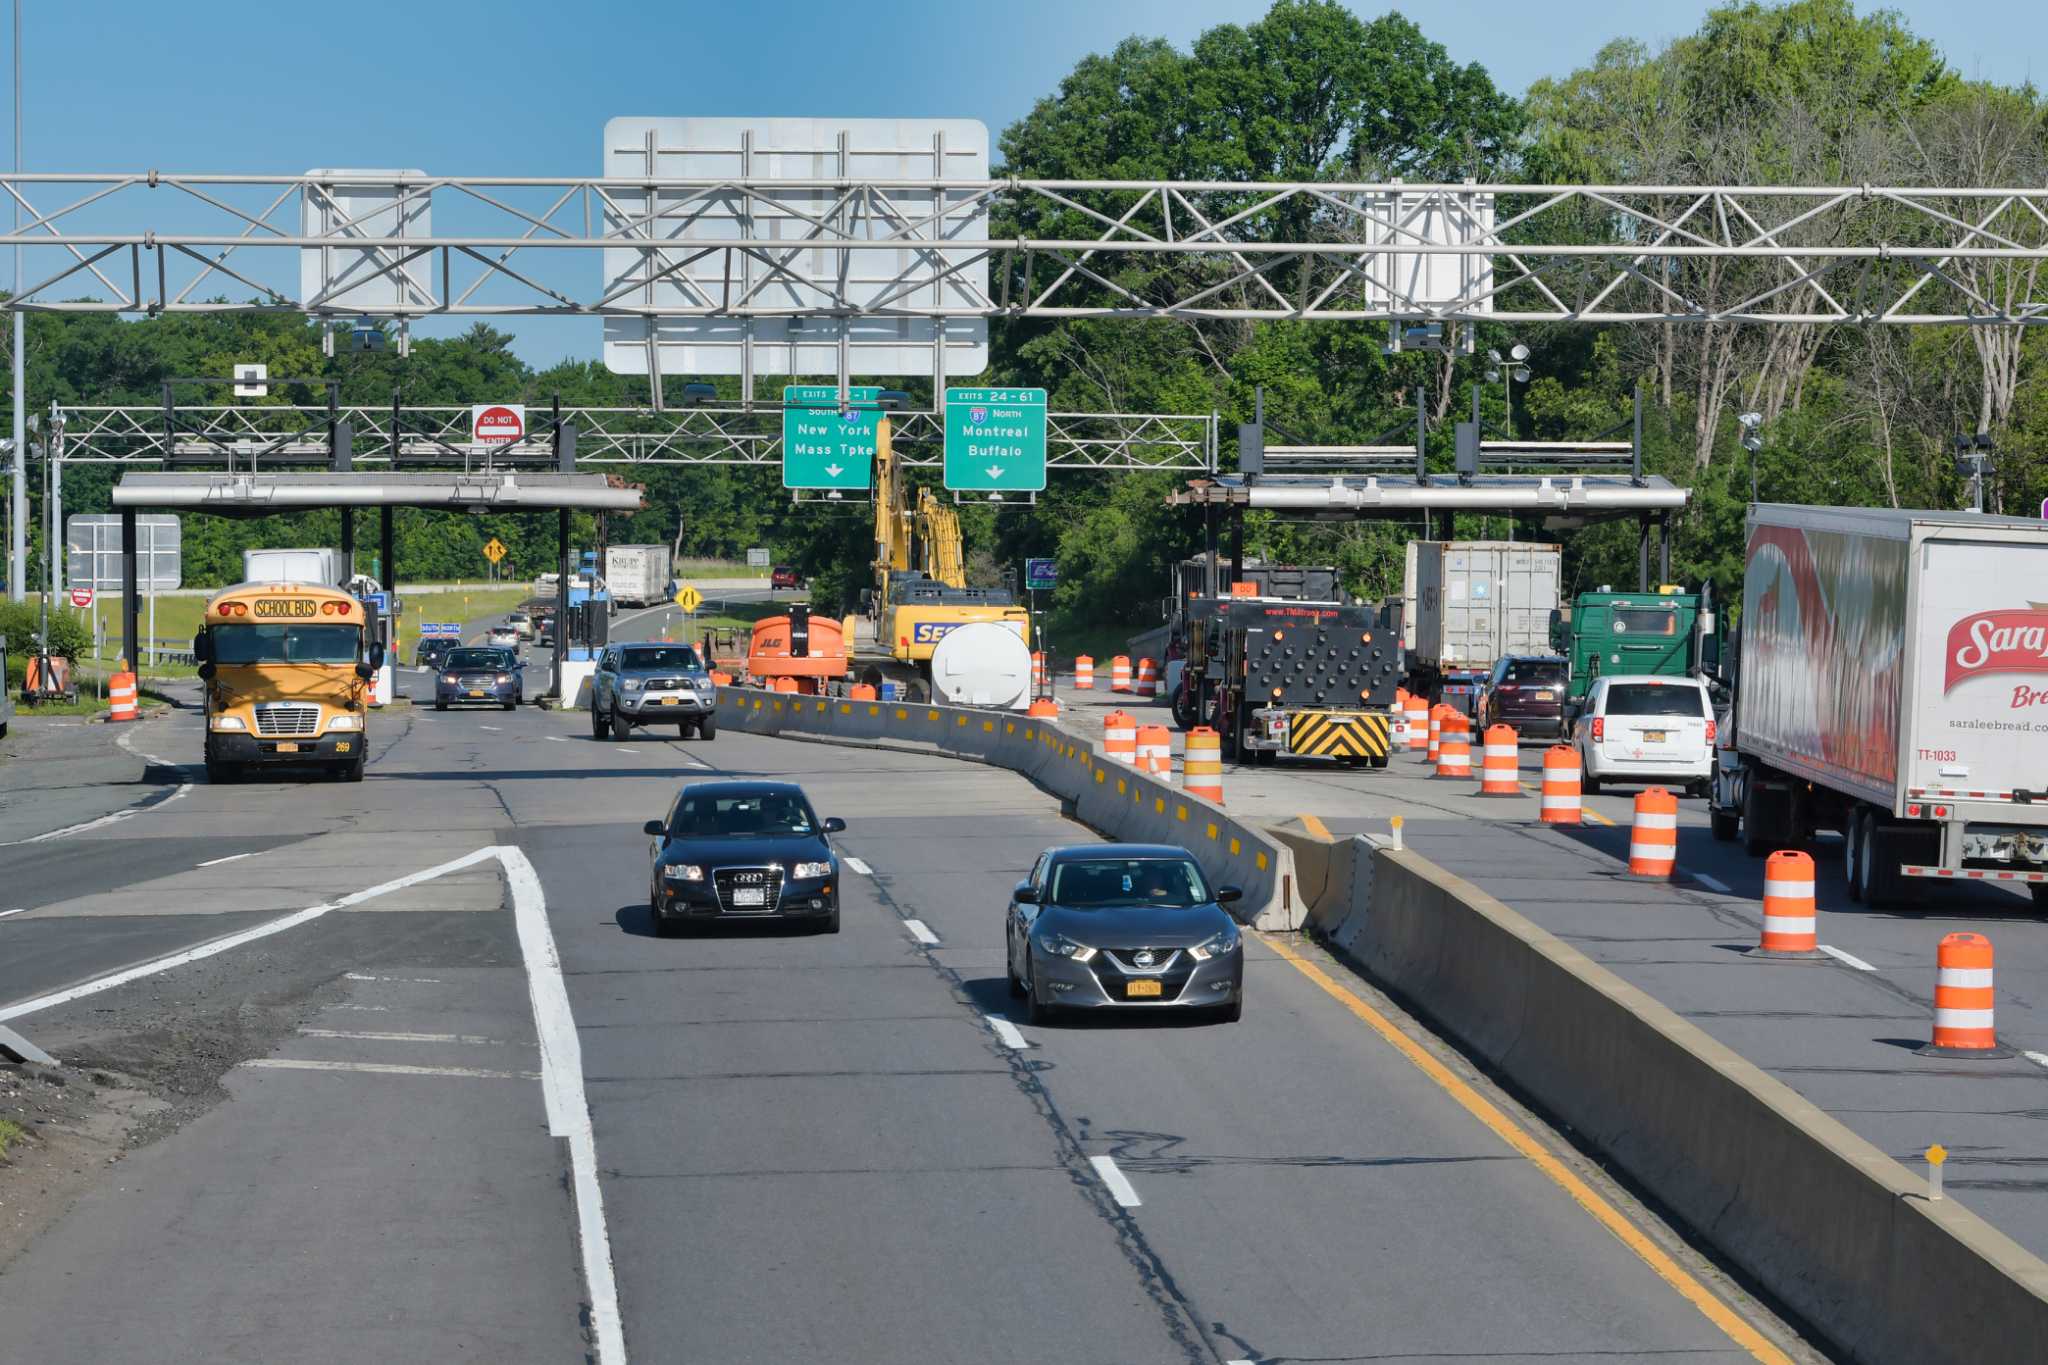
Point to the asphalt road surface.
(806, 1148)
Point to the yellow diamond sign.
(688, 598)
(495, 550)
(1937, 1154)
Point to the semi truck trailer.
(1467, 604)
(1891, 684)
(638, 575)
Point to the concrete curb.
(1107, 796)
(1840, 1232)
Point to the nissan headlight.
(1059, 945)
(1217, 946)
(345, 723)
(806, 871)
(682, 872)
(632, 684)
(228, 723)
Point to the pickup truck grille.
(287, 719)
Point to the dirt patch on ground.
(73, 1122)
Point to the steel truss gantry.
(251, 436)
(154, 242)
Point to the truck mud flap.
(1338, 734)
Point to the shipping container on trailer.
(1471, 603)
(1892, 685)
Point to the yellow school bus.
(287, 668)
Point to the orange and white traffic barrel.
(1963, 999)
(1037, 670)
(1653, 838)
(1561, 785)
(1120, 673)
(1120, 737)
(1418, 722)
(1155, 751)
(1044, 706)
(1084, 673)
(1436, 733)
(1499, 762)
(121, 695)
(1454, 747)
(1790, 927)
(1202, 764)
(1148, 678)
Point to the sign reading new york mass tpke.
(995, 440)
(822, 448)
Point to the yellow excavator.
(920, 565)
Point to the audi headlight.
(228, 723)
(806, 871)
(1059, 945)
(632, 684)
(1226, 942)
(682, 872)
(345, 723)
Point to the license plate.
(670, 701)
(750, 895)
(1138, 988)
(287, 748)
(476, 691)
(1654, 736)
(1546, 696)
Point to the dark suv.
(1527, 692)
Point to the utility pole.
(17, 558)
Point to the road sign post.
(995, 440)
(824, 446)
(689, 599)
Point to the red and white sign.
(2011, 641)
(497, 423)
(81, 597)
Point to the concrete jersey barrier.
(1108, 796)
(1832, 1226)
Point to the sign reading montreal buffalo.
(2014, 640)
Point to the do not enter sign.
(497, 423)
(81, 597)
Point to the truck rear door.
(1977, 715)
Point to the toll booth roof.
(1384, 492)
(231, 494)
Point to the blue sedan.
(477, 676)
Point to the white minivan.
(1645, 729)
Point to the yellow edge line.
(1508, 1131)
(1597, 818)
(1315, 827)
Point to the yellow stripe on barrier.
(874, 710)
(988, 727)
(1100, 776)
(1027, 731)
(902, 714)
(1235, 847)
(1121, 786)
(1159, 805)
(1180, 813)
(931, 715)
(844, 709)
(1212, 829)
(1536, 1154)
(961, 721)
(1261, 860)
(820, 708)
(1009, 727)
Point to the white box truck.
(293, 566)
(1891, 683)
(638, 575)
(1468, 603)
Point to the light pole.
(1509, 372)
(17, 559)
(1752, 424)
(1973, 461)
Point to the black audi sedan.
(1123, 926)
(729, 852)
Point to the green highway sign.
(995, 440)
(821, 448)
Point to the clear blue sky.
(514, 87)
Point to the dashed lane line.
(1688, 1287)
(919, 932)
(387, 1069)
(858, 866)
(1846, 959)
(1119, 1185)
(468, 1039)
(1007, 1031)
(232, 857)
(2037, 1058)
(23, 910)
(1712, 883)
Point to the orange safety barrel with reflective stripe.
(1499, 762)
(1653, 837)
(1561, 786)
(1202, 764)
(1790, 924)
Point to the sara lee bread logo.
(2014, 640)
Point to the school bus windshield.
(285, 643)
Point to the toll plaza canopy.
(1571, 498)
(236, 493)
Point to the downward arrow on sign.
(995, 471)
(835, 470)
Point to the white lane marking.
(470, 1039)
(2037, 1058)
(388, 1069)
(378, 1008)
(561, 1061)
(1120, 1188)
(919, 932)
(1712, 883)
(858, 866)
(236, 940)
(558, 739)
(490, 727)
(232, 857)
(696, 762)
(403, 980)
(1849, 959)
(5, 913)
(626, 751)
(1007, 1031)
